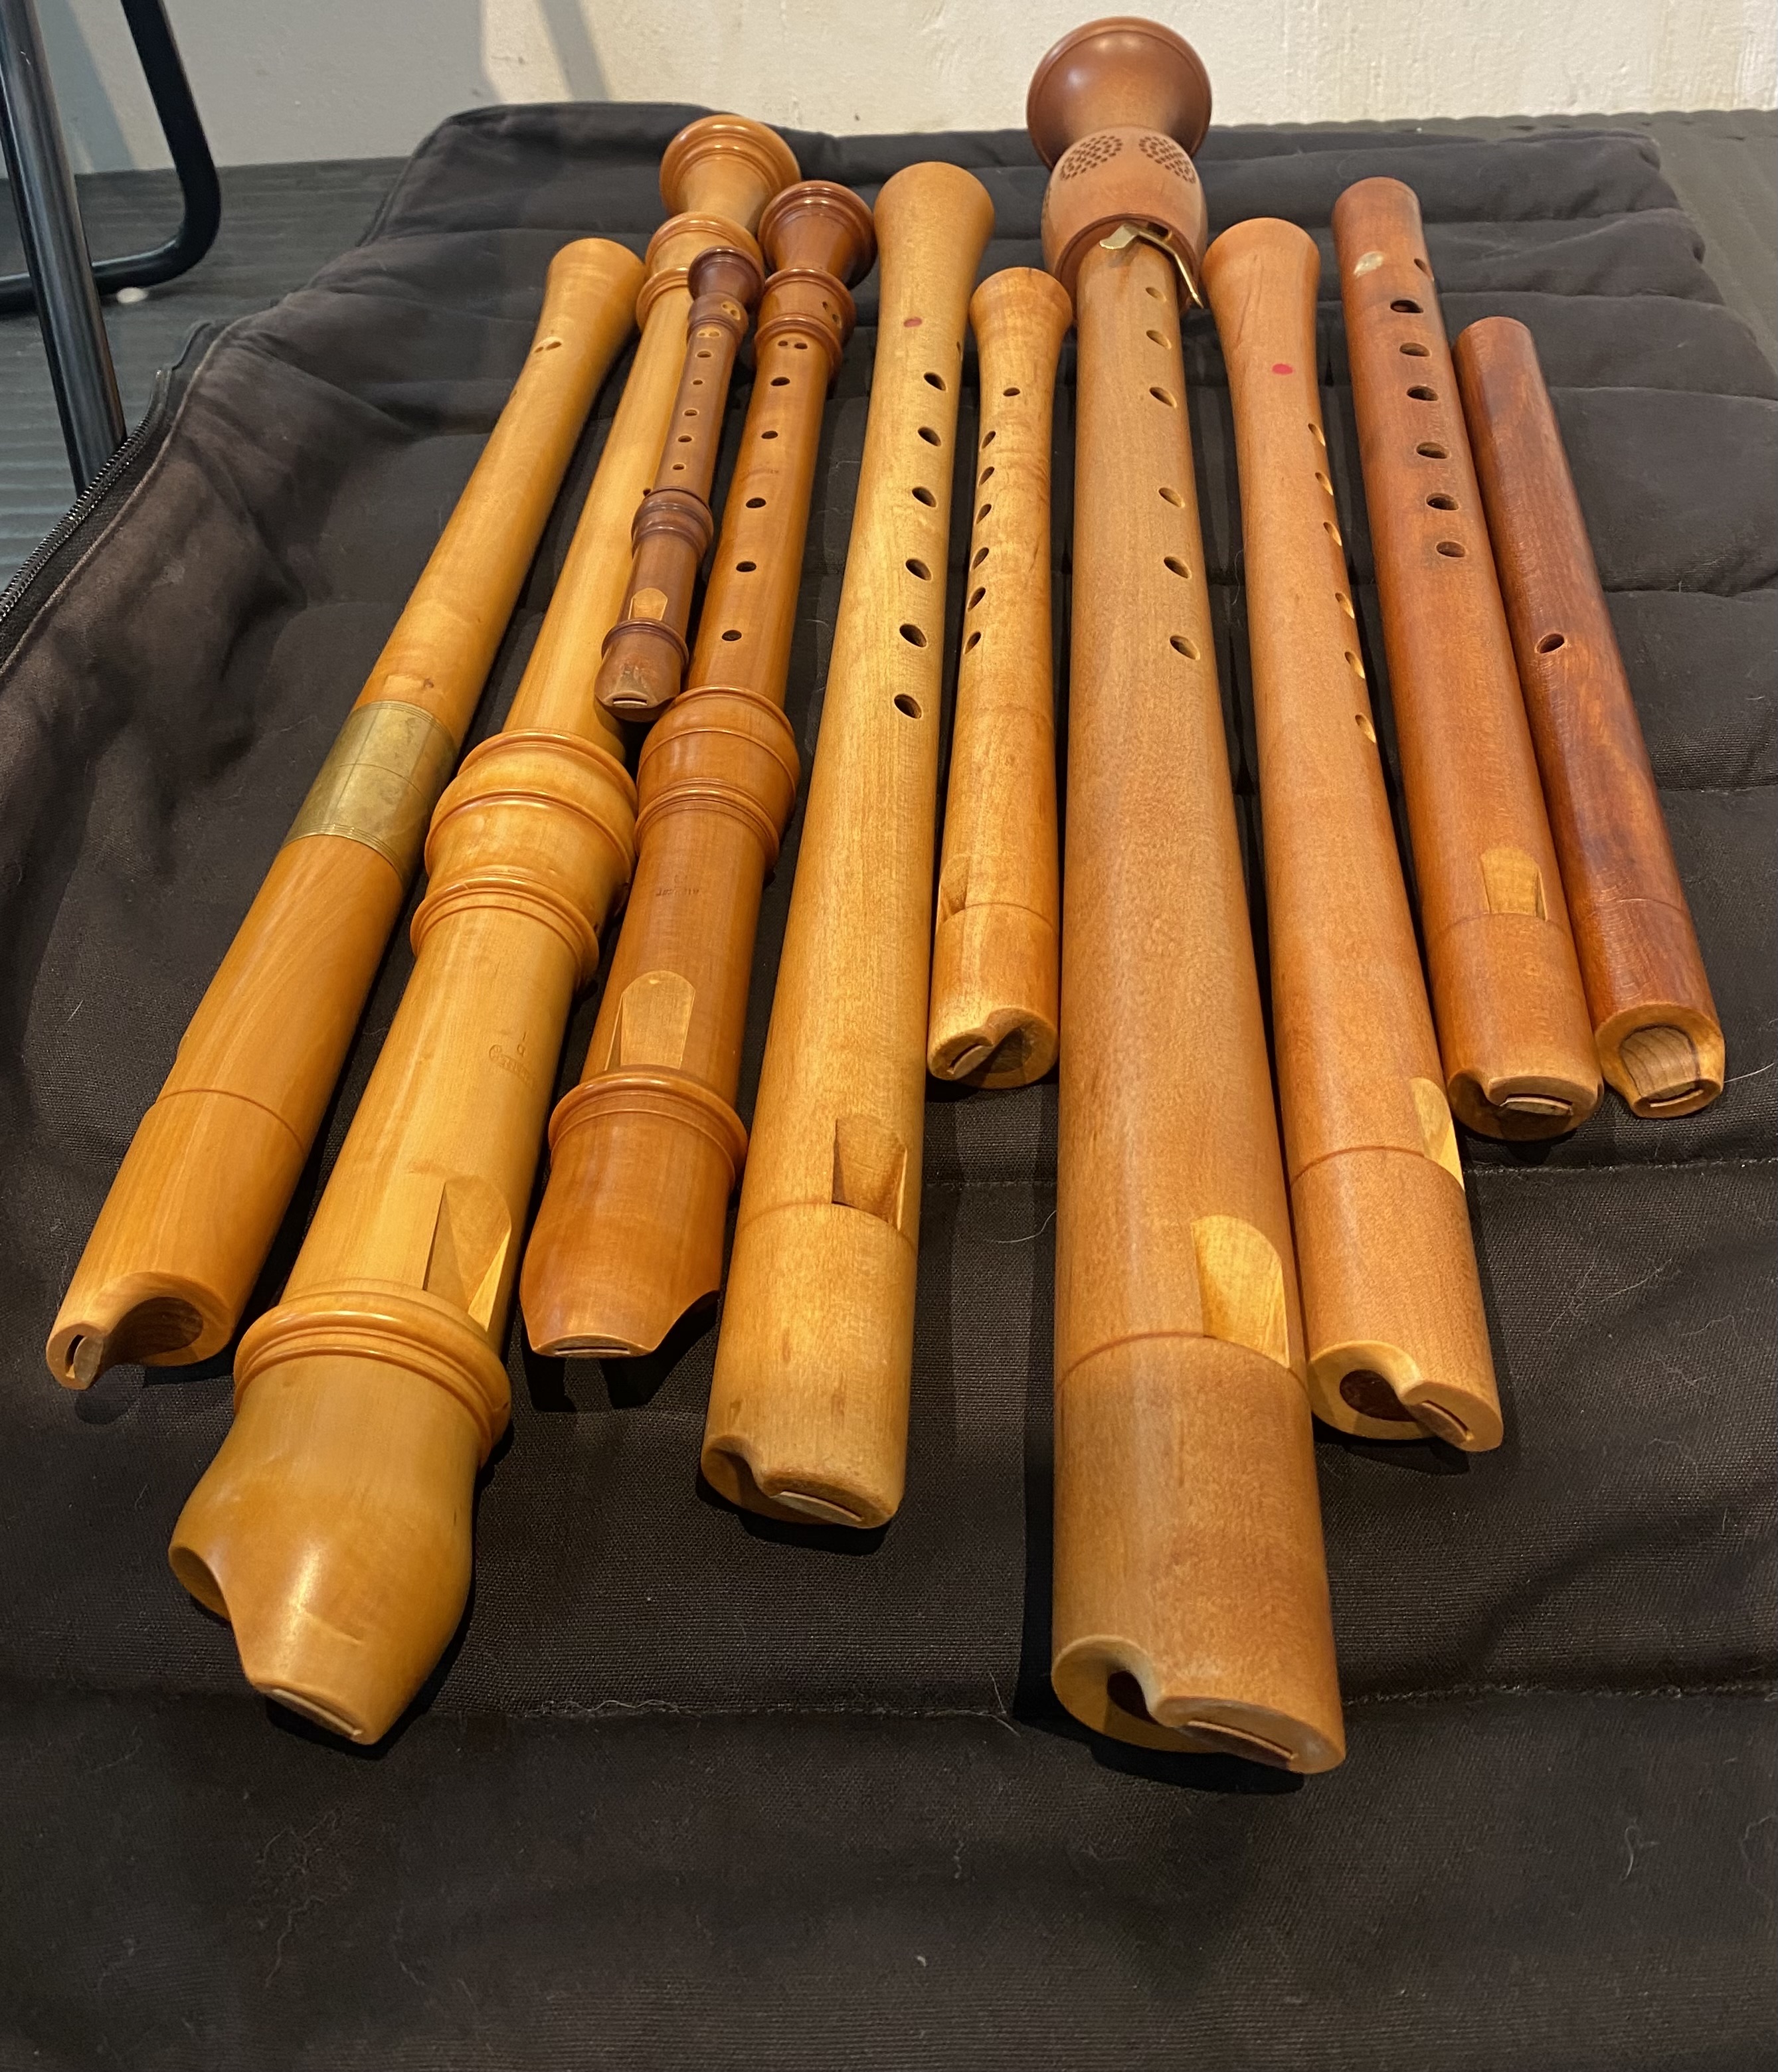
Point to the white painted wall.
(322, 78)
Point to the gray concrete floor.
(281, 223)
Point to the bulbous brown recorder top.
(716, 175)
(1116, 108)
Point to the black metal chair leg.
(49, 223)
(184, 130)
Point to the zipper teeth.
(98, 492)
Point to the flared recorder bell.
(1116, 108)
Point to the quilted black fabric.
(692, 1790)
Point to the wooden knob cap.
(817, 227)
(727, 166)
(1119, 73)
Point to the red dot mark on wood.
(1283, 367)
(911, 323)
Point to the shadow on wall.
(362, 80)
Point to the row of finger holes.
(1453, 550)
(1178, 642)
(904, 702)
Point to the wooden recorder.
(1190, 1607)
(808, 1410)
(1397, 1339)
(646, 1151)
(1655, 1024)
(997, 942)
(332, 1530)
(197, 1201)
(1513, 1031)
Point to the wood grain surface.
(1514, 1030)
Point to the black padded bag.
(690, 1790)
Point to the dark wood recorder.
(1513, 1031)
(645, 653)
(1655, 1024)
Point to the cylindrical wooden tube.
(1392, 1305)
(809, 1410)
(332, 1530)
(645, 1152)
(1190, 1605)
(717, 173)
(1654, 1021)
(645, 651)
(1513, 1032)
(996, 945)
(207, 1177)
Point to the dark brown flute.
(1654, 1021)
(1513, 1031)
(645, 653)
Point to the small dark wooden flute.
(1654, 1022)
(645, 653)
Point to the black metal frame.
(62, 283)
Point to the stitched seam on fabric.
(609, 1708)
(33, 632)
